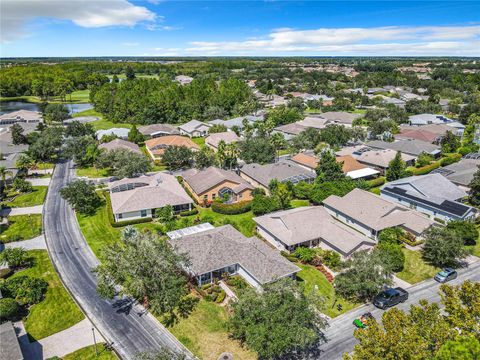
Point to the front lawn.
(205, 333)
(22, 227)
(97, 229)
(88, 353)
(36, 197)
(92, 172)
(415, 268)
(57, 311)
(309, 277)
(242, 222)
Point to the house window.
(120, 216)
(143, 213)
(205, 197)
(214, 196)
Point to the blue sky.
(253, 28)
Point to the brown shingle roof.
(350, 163)
(158, 145)
(309, 161)
(202, 180)
(228, 137)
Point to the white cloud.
(16, 14)
(393, 40)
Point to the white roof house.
(121, 133)
(21, 116)
(194, 128)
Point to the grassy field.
(36, 197)
(92, 172)
(88, 353)
(57, 311)
(415, 269)
(78, 96)
(89, 112)
(242, 222)
(200, 141)
(309, 277)
(298, 203)
(205, 333)
(22, 227)
(103, 124)
(97, 229)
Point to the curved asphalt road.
(121, 322)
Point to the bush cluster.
(376, 182)
(213, 292)
(189, 212)
(262, 204)
(231, 209)
(25, 290)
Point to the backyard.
(205, 333)
(415, 268)
(92, 172)
(21, 227)
(57, 311)
(36, 197)
(88, 353)
(309, 277)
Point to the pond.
(9, 106)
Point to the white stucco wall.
(270, 238)
(133, 215)
(350, 222)
(248, 278)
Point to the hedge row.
(376, 182)
(231, 209)
(189, 212)
(425, 169)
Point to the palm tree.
(3, 175)
(25, 162)
(277, 141)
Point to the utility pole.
(95, 341)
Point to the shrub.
(189, 212)
(231, 209)
(302, 190)
(25, 290)
(376, 182)
(15, 257)
(9, 309)
(130, 222)
(220, 297)
(425, 169)
(304, 254)
(332, 259)
(450, 159)
(391, 235)
(22, 185)
(288, 256)
(264, 204)
(441, 221)
(392, 256)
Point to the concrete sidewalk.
(39, 181)
(397, 282)
(60, 344)
(37, 243)
(22, 210)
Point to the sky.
(45, 28)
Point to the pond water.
(9, 106)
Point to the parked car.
(390, 297)
(445, 275)
(361, 322)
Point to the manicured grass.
(78, 96)
(375, 190)
(299, 203)
(36, 197)
(88, 353)
(205, 333)
(57, 311)
(200, 141)
(416, 269)
(103, 124)
(97, 229)
(309, 277)
(475, 249)
(29, 98)
(242, 222)
(92, 172)
(22, 227)
(89, 112)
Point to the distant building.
(425, 119)
(227, 137)
(183, 79)
(157, 130)
(21, 116)
(224, 250)
(411, 147)
(120, 144)
(136, 198)
(460, 173)
(121, 133)
(289, 131)
(194, 128)
(380, 159)
(156, 146)
(237, 122)
(340, 117)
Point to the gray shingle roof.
(224, 246)
(302, 224)
(120, 144)
(152, 129)
(202, 180)
(193, 125)
(228, 137)
(377, 213)
(408, 146)
(10, 349)
(461, 172)
(341, 117)
(282, 171)
(156, 191)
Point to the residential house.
(340, 117)
(350, 166)
(283, 171)
(407, 96)
(120, 144)
(425, 119)
(411, 147)
(9, 162)
(21, 116)
(310, 226)
(432, 133)
(289, 131)
(370, 214)
(237, 122)
(392, 100)
(380, 159)
(136, 198)
(214, 183)
(121, 133)
(194, 128)
(460, 173)
(10, 349)
(224, 250)
(156, 146)
(6, 143)
(157, 130)
(430, 194)
(316, 122)
(228, 137)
